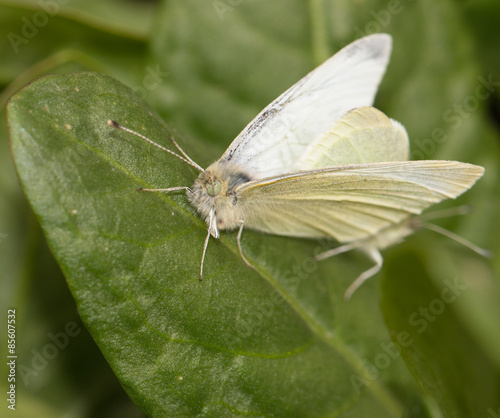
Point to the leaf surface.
(241, 340)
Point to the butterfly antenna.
(458, 238)
(185, 155)
(186, 159)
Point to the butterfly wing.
(273, 142)
(351, 202)
(363, 135)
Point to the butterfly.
(321, 162)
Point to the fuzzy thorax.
(216, 191)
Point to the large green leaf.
(434, 85)
(221, 71)
(273, 341)
(425, 326)
(30, 278)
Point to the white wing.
(272, 143)
(363, 135)
(351, 202)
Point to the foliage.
(421, 339)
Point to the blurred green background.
(208, 67)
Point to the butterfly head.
(215, 196)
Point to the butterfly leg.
(375, 255)
(171, 189)
(205, 245)
(338, 250)
(457, 238)
(238, 239)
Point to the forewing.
(273, 142)
(352, 202)
(363, 135)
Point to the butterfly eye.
(213, 189)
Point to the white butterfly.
(320, 162)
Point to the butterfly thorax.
(215, 191)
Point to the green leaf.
(435, 86)
(273, 341)
(426, 327)
(128, 19)
(38, 42)
(221, 72)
